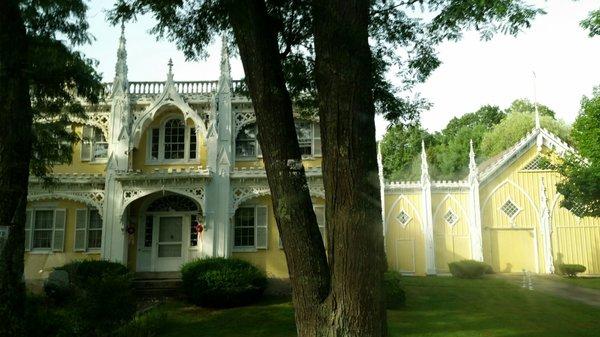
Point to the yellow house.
(171, 171)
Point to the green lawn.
(586, 282)
(436, 306)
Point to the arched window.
(172, 141)
(94, 146)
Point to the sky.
(473, 72)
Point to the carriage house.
(171, 171)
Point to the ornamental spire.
(170, 73)
(472, 164)
(225, 76)
(424, 165)
(120, 84)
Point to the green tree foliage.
(592, 23)
(400, 149)
(581, 186)
(514, 127)
(523, 105)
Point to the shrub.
(468, 268)
(571, 270)
(41, 321)
(146, 325)
(100, 297)
(221, 282)
(394, 295)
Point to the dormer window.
(94, 146)
(173, 141)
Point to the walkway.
(557, 288)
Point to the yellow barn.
(171, 171)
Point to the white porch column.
(546, 230)
(114, 242)
(221, 160)
(474, 209)
(427, 214)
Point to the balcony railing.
(183, 87)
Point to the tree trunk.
(350, 173)
(344, 297)
(15, 149)
(296, 221)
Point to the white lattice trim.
(195, 193)
(240, 194)
(90, 198)
(243, 118)
(95, 119)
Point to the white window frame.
(314, 139)
(257, 151)
(85, 231)
(255, 246)
(88, 136)
(30, 230)
(161, 143)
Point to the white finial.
(424, 165)
(472, 164)
(225, 76)
(537, 113)
(120, 83)
(170, 73)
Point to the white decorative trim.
(91, 198)
(515, 186)
(98, 120)
(132, 193)
(241, 119)
(410, 203)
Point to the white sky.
(473, 73)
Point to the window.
(309, 138)
(510, 209)
(403, 218)
(451, 217)
(94, 146)
(45, 229)
(250, 228)
(246, 144)
(42, 229)
(539, 163)
(94, 237)
(88, 230)
(173, 141)
(174, 147)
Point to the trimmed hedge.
(571, 270)
(469, 269)
(220, 282)
(394, 295)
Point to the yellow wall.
(405, 246)
(452, 243)
(77, 166)
(38, 265)
(271, 260)
(139, 154)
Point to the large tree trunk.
(15, 149)
(303, 246)
(350, 173)
(342, 298)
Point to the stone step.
(157, 275)
(157, 284)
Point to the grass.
(436, 306)
(585, 282)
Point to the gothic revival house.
(171, 171)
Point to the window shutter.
(58, 238)
(28, 226)
(316, 140)
(86, 143)
(320, 213)
(81, 220)
(262, 236)
(258, 150)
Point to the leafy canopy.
(59, 76)
(581, 186)
(403, 37)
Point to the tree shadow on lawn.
(435, 307)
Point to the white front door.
(168, 245)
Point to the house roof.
(538, 137)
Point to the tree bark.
(296, 221)
(15, 149)
(342, 298)
(350, 173)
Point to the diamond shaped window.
(451, 218)
(510, 209)
(403, 218)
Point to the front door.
(168, 248)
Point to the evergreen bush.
(571, 270)
(222, 282)
(469, 269)
(394, 295)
